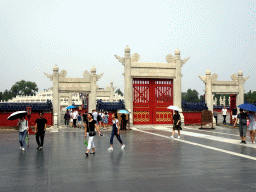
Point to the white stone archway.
(223, 87)
(135, 69)
(64, 87)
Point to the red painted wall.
(32, 120)
(192, 118)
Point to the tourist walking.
(95, 116)
(115, 132)
(123, 122)
(224, 113)
(100, 119)
(242, 125)
(23, 129)
(75, 114)
(79, 121)
(40, 129)
(105, 121)
(67, 117)
(71, 118)
(89, 133)
(176, 124)
(252, 125)
(234, 114)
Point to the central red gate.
(151, 97)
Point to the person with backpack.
(23, 129)
(115, 132)
(242, 125)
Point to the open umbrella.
(123, 111)
(248, 107)
(71, 107)
(173, 108)
(17, 115)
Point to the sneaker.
(123, 146)
(92, 153)
(171, 137)
(253, 142)
(244, 142)
(110, 149)
(178, 137)
(104, 129)
(23, 149)
(40, 148)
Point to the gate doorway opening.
(151, 97)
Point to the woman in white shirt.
(23, 128)
(115, 132)
(224, 113)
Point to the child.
(79, 121)
(115, 132)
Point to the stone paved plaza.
(201, 160)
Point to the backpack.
(99, 118)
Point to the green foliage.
(250, 97)
(190, 96)
(19, 88)
(119, 92)
(222, 96)
(24, 88)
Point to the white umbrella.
(173, 108)
(17, 115)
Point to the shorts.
(234, 116)
(79, 122)
(242, 130)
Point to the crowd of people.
(94, 121)
(91, 121)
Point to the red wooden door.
(151, 97)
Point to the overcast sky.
(218, 35)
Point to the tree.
(24, 88)
(250, 97)
(119, 92)
(191, 96)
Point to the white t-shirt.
(23, 126)
(224, 111)
(75, 114)
(95, 115)
(115, 121)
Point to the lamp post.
(29, 112)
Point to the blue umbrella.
(71, 107)
(123, 111)
(248, 107)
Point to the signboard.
(206, 117)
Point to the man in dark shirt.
(40, 130)
(242, 125)
(234, 114)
